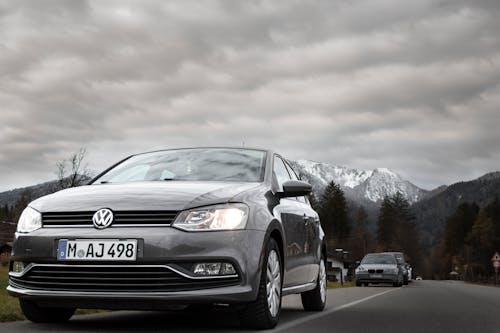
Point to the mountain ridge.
(358, 185)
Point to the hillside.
(432, 211)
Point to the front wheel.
(264, 312)
(38, 314)
(315, 300)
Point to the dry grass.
(9, 306)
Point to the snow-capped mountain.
(358, 185)
(383, 182)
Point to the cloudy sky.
(413, 86)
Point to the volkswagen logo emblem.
(102, 218)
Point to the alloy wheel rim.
(322, 281)
(273, 283)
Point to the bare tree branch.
(73, 171)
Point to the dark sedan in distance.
(183, 226)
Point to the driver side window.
(280, 172)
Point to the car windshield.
(385, 259)
(239, 165)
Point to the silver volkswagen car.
(185, 226)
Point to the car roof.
(378, 254)
(206, 147)
(394, 253)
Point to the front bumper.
(158, 247)
(377, 278)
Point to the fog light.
(227, 269)
(213, 269)
(17, 266)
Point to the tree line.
(471, 237)
(347, 227)
(471, 234)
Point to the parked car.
(379, 268)
(407, 269)
(183, 226)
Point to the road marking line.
(329, 311)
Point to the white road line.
(329, 311)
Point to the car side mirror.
(295, 188)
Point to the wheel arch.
(276, 232)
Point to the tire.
(38, 314)
(358, 284)
(405, 281)
(315, 300)
(261, 314)
(365, 284)
(399, 283)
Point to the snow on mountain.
(324, 172)
(358, 185)
(384, 182)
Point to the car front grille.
(371, 271)
(121, 219)
(113, 278)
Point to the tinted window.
(280, 172)
(244, 165)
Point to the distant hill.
(433, 211)
(10, 197)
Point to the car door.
(290, 212)
(312, 241)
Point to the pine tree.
(458, 226)
(3, 213)
(396, 228)
(386, 224)
(333, 213)
(360, 234)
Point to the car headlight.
(212, 218)
(393, 270)
(29, 221)
(360, 269)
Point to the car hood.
(170, 195)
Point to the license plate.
(101, 249)
(376, 276)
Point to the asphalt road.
(423, 306)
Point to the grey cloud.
(366, 84)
